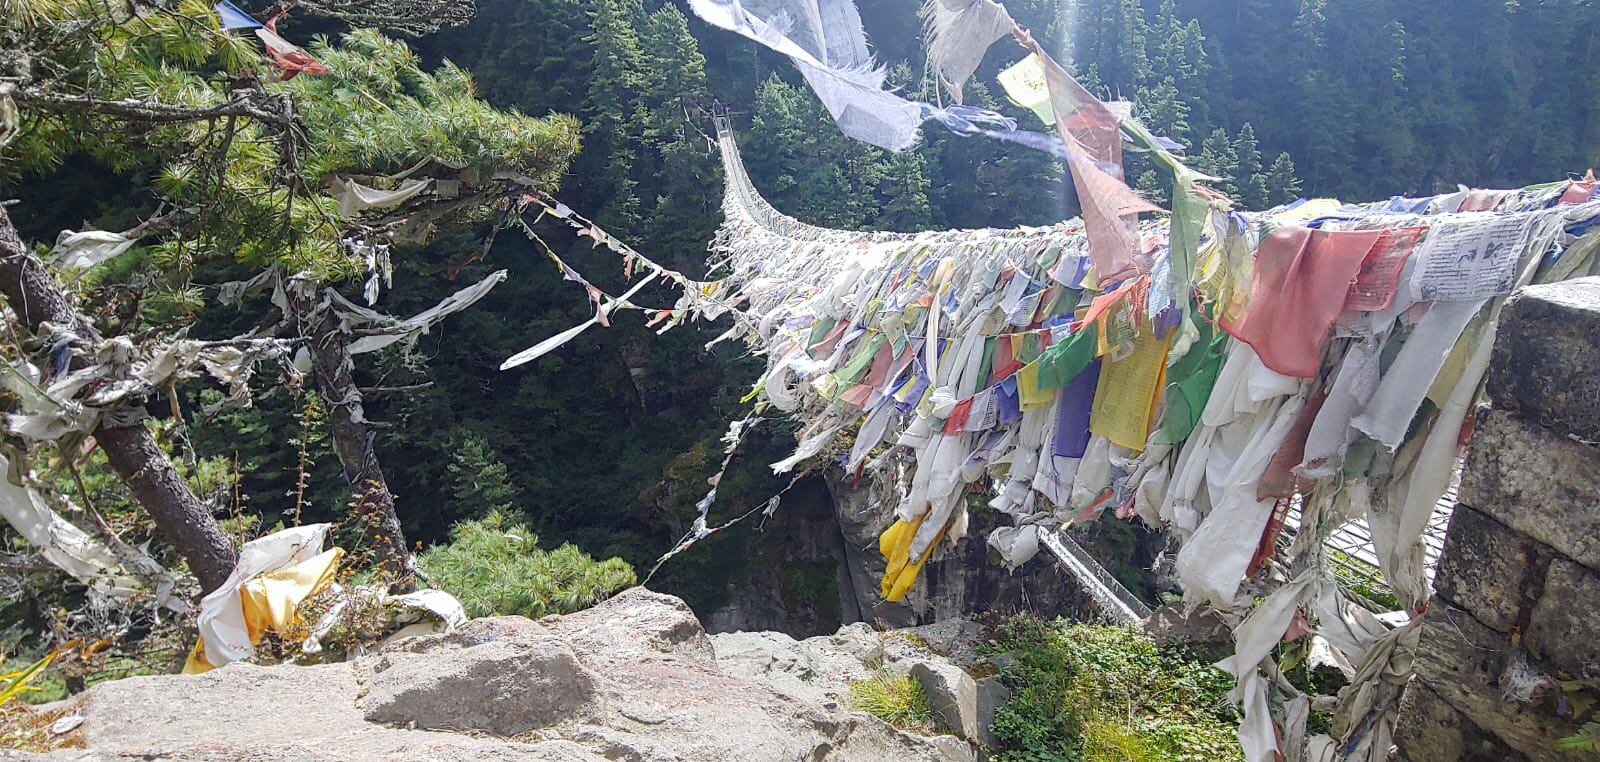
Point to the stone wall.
(1515, 622)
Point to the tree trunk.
(183, 519)
(333, 369)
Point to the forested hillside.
(1360, 99)
(607, 443)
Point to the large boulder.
(991, 694)
(268, 714)
(816, 669)
(506, 686)
(1545, 355)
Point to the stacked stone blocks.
(1515, 622)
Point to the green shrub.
(1100, 693)
(896, 699)
(496, 567)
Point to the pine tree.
(528, 53)
(1218, 160)
(1192, 71)
(819, 174)
(1167, 30)
(1310, 23)
(996, 170)
(616, 79)
(1090, 28)
(677, 70)
(1163, 110)
(682, 172)
(1281, 183)
(899, 180)
(1134, 69)
(238, 159)
(614, 109)
(1248, 178)
(902, 193)
(478, 478)
(1178, 51)
(1154, 186)
(795, 146)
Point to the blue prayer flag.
(233, 18)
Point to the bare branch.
(159, 225)
(414, 18)
(253, 104)
(378, 391)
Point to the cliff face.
(634, 678)
(959, 582)
(815, 566)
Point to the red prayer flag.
(1301, 281)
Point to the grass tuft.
(896, 699)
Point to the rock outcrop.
(941, 657)
(635, 678)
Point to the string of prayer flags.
(1109, 206)
(1191, 382)
(826, 42)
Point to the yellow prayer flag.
(1310, 210)
(1025, 85)
(1127, 392)
(826, 385)
(1029, 395)
(901, 570)
(271, 602)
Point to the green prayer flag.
(1190, 381)
(1064, 360)
(987, 367)
(861, 360)
(819, 331)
